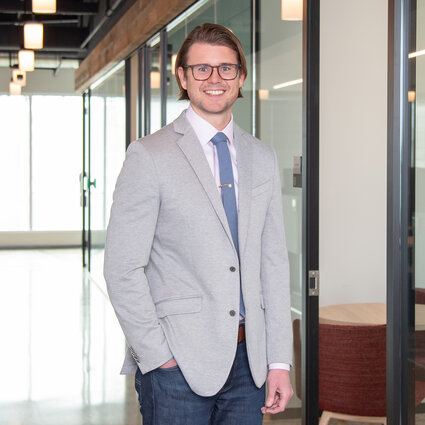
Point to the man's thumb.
(269, 399)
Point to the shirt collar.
(204, 130)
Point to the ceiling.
(70, 33)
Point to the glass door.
(105, 153)
(83, 182)
(286, 117)
(416, 230)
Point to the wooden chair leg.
(342, 418)
(325, 418)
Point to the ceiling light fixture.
(19, 77)
(288, 84)
(155, 80)
(14, 88)
(26, 60)
(263, 94)
(44, 6)
(416, 54)
(33, 35)
(292, 10)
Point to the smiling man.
(195, 261)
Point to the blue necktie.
(228, 196)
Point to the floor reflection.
(62, 345)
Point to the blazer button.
(232, 312)
(232, 269)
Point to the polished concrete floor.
(62, 346)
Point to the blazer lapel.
(192, 149)
(244, 158)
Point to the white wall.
(42, 81)
(353, 154)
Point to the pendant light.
(26, 60)
(44, 6)
(14, 88)
(33, 35)
(19, 77)
(292, 10)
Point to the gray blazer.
(171, 268)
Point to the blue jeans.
(166, 399)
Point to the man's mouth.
(214, 92)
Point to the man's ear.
(241, 80)
(182, 77)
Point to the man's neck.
(219, 121)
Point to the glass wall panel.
(155, 80)
(56, 162)
(14, 163)
(417, 231)
(107, 152)
(353, 206)
(175, 37)
(279, 123)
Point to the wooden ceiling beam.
(137, 25)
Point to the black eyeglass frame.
(237, 65)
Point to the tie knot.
(219, 138)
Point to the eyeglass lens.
(203, 72)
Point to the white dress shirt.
(205, 132)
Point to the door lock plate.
(313, 283)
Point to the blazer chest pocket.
(261, 188)
(170, 306)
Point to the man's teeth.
(214, 92)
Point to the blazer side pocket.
(168, 307)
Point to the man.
(195, 260)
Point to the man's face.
(212, 98)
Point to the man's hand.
(170, 363)
(279, 391)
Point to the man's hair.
(214, 34)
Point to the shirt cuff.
(282, 366)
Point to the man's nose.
(215, 76)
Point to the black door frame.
(400, 295)
(310, 171)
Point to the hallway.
(62, 345)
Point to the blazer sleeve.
(129, 241)
(275, 279)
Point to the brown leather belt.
(241, 333)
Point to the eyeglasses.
(226, 71)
